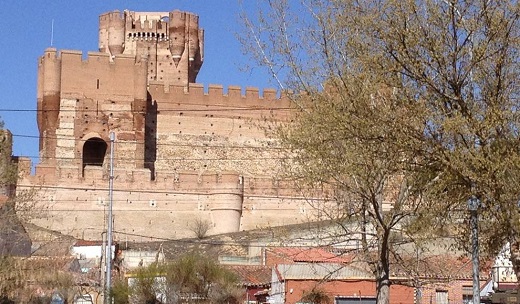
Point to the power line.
(230, 146)
(202, 191)
(209, 108)
(167, 159)
(155, 211)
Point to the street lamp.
(473, 204)
(108, 260)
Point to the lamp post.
(108, 260)
(473, 204)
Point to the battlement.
(95, 75)
(151, 24)
(165, 181)
(114, 15)
(95, 177)
(146, 25)
(97, 58)
(197, 95)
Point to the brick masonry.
(181, 153)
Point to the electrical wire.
(230, 146)
(209, 108)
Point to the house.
(256, 281)
(291, 283)
(343, 278)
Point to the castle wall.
(168, 206)
(214, 131)
(171, 133)
(181, 154)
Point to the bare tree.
(200, 227)
(14, 208)
(410, 103)
(33, 279)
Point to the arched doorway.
(94, 151)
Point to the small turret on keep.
(177, 35)
(171, 42)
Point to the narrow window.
(441, 297)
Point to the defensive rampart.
(183, 155)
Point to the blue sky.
(27, 33)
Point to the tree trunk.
(383, 289)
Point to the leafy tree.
(199, 279)
(409, 102)
(120, 291)
(147, 285)
(191, 278)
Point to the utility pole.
(108, 252)
(473, 204)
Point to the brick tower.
(172, 43)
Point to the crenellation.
(215, 96)
(71, 56)
(234, 93)
(69, 174)
(252, 94)
(270, 95)
(196, 90)
(215, 90)
(98, 57)
(115, 15)
(50, 53)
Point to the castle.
(182, 155)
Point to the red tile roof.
(311, 255)
(440, 267)
(252, 275)
(88, 243)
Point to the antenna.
(52, 31)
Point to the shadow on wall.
(150, 135)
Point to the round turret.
(193, 40)
(177, 35)
(116, 33)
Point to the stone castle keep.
(181, 154)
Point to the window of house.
(441, 297)
(467, 294)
